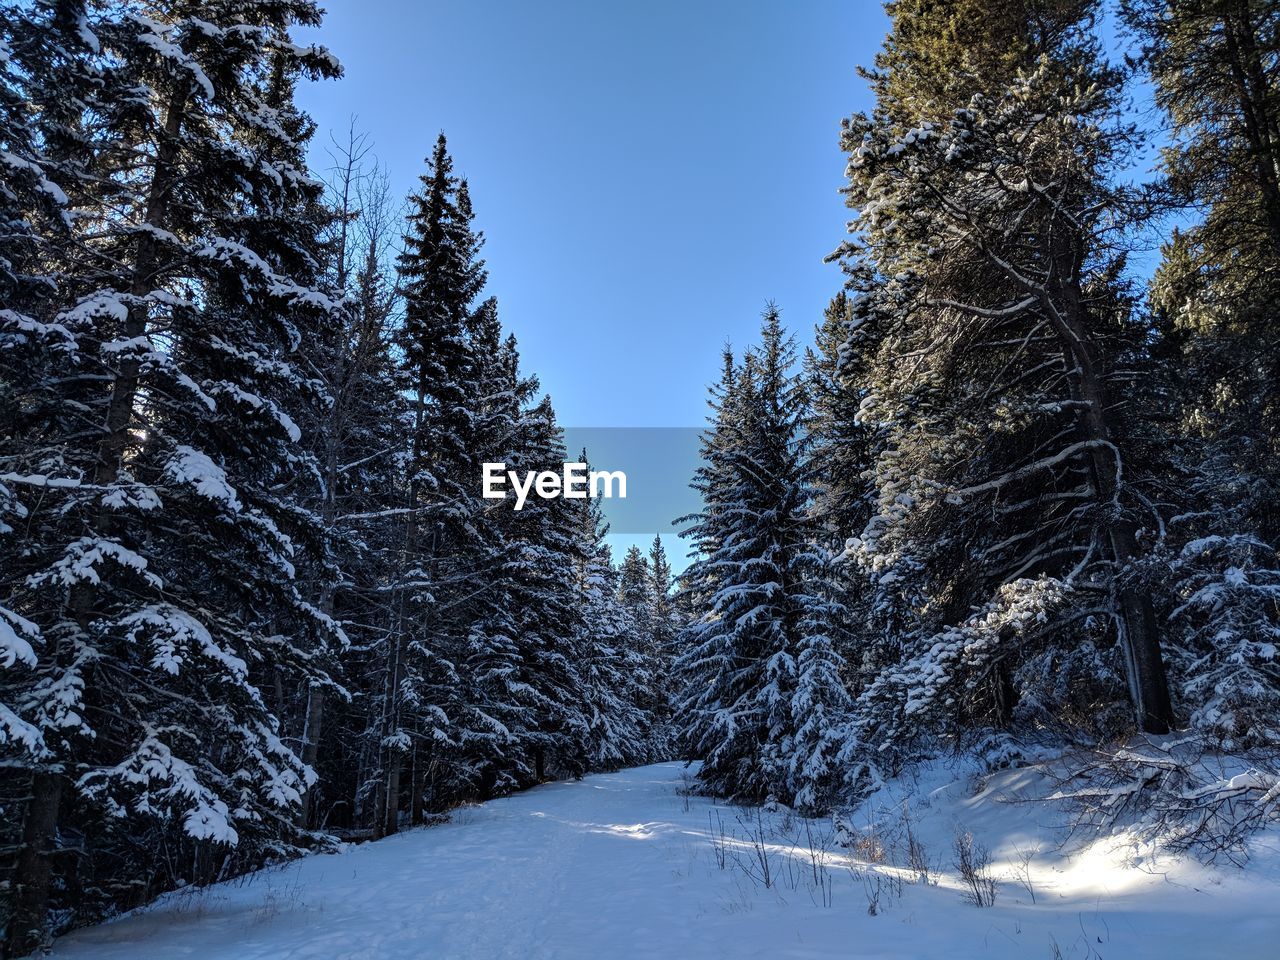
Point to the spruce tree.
(441, 276)
(762, 702)
(1214, 305)
(1003, 334)
(163, 578)
(494, 731)
(617, 666)
(665, 625)
(549, 550)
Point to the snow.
(155, 35)
(163, 780)
(622, 866)
(83, 557)
(190, 466)
(172, 633)
(104, 304)
(86, 35)
(14, 647)
(50, 188)
(25, 324)
(135, 496)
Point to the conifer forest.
(1009, 506)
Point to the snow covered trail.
(621, 866)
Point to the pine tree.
(666, 625)
(166, 583)
(762, 699)
(617, 663)
(1003, 333)
(494, 732)
(633, 585)
(548, 552)
(441, 276)
(1214, 300)
(840, 458)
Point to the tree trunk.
(386, 818)
(1139, 636)
(488, 783)
(311, 731)
(378, 813)
(34, 869)
(1003, 692)
(334, 433)
(124, 387)
(392, 822)
(419, 785)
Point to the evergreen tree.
(162, 576)
(501, 707)
(633, 585)
(839, 454)
(1003, 334)
(1214, 299)
(549, 552)
(617, 670)
(441, 276)
(762, 702)
(666, 624)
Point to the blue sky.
(647, 174)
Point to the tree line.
(1013, 491)
(250, 595)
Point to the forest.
(1018, 492)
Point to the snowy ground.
(622, 866)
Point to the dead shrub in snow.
(973, 861)
(877, 886)
(917, 857)
(719, 839)
(1021, 871)
(818, 846)
(757, 863)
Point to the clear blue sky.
(647, 174)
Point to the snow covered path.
(621, 866)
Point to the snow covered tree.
(548, 551)
(1213, 66)
(839, 461)
(839, 444)
(356, 435)
(633, 585)
(1214, 300)
(441, 276)
(762, 701)
(161, 577)
(1226, 656)
(617, 664)
(500, 706)
(1003, 336)
(666, 623)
